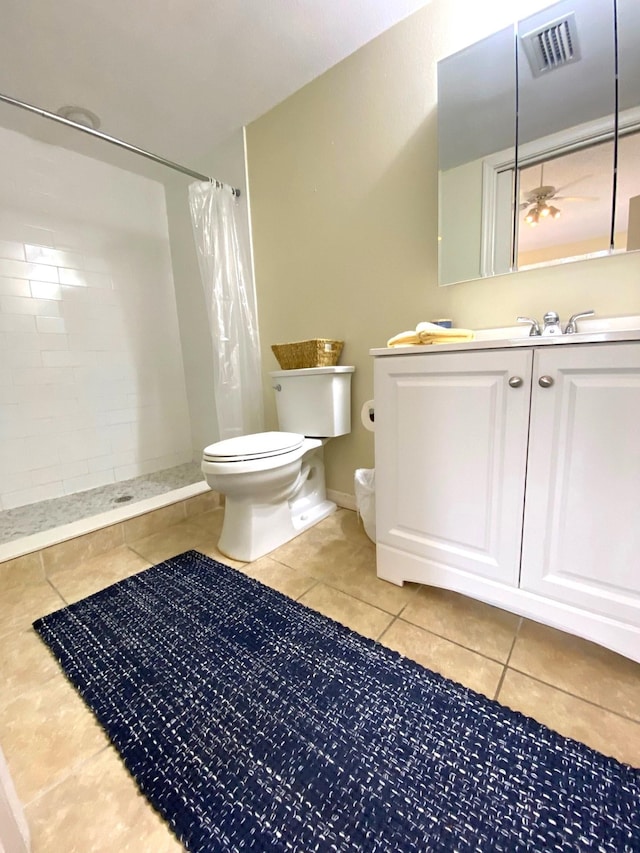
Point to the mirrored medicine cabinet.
(539, 142)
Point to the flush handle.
(515, 381)
(545, 381)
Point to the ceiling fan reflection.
(537, 201)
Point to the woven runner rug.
(253, 723)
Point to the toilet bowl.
(274, 482)
(271, 495)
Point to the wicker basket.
(320, 352)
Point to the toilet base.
(250, 530)
(266, 508)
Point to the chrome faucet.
(551, 324)
(535, 328)
(572, 327)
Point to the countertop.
(517, 336)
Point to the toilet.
(273, 482)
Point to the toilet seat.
(260, 445)
(230, 466)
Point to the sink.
(596, 328)
(609, 324)
(502, 333)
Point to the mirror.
(566, 128)
(527, 173)
(627, 207)
(476, 119)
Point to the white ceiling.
(175, 77)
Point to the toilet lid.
(256, 446)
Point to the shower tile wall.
(92, 385)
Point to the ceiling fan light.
(555, 213)
(545, 210)
(532, 217)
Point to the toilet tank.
(314, 401)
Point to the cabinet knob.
(515, 381)
(545, 381)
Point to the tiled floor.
(79, 797)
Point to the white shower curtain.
(231, 306)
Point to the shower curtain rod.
(112, 139)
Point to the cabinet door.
(451, 441)
(582, 515)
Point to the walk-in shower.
(94, 411)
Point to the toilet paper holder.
(368, 415)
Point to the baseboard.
(343, 499)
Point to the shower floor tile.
(44, 515)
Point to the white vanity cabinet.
(451, 445)
(513, 475)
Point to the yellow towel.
(430, 333)
(403, 339)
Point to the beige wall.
(633, 235)
(343, 184)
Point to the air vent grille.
(553, 45)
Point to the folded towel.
(403, 339)
(430, 333)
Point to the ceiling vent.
(553, 45)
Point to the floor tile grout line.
(41, 682)
(361, 600)
(355, 598)
(454, 642)
(57, 591)
(313, 586)
(566, 692)
(326, 582)
(378, 639)
(73, 768)
(506, 663)
(332, 584)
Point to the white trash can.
(365, 488)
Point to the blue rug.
(254, 723)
